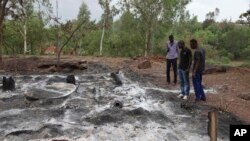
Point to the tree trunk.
(103, 32)
(67, 41)
(2, 15)
(146, 45)
(1, 44)
(25, 37)
(148, 41)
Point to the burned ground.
(90, 108)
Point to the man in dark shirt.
(184, 66)
(198, 68)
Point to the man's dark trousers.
(198, 88)
(172, 62)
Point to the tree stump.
(71, 79)
(8, 84)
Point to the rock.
(71, 79)
(8, 84)
(144, 65)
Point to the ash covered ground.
(102, 110)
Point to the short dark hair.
(181, 42)
(171, 36)
(193, 41)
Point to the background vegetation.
(142, 29)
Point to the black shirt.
(199, 55)
(185, 59)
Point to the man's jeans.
(184, 80)
(172, 62)
(198, 88)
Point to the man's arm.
(177, 49)
(189, 60)
(197, 62)
(167, 49)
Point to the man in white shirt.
(171, 58)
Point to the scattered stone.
(8, 84)
(71, 79)
(144, 65)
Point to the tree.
(6, 8)
(22, 17)
(126, 39)
(210, 17)
(82, 23)
(83, 16)
(107, 17)
(12, 8)
(150, 12)
(154, 13)
(247, 16)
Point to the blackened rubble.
(140, 112)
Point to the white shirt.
(173, 50)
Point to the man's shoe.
(180, 96)
(185, 97)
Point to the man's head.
(181, 44)
(194, 44)
(171, 38)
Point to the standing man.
(172, 55)
(184, 67)
(198, 68)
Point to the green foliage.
(142, 26)
(236, 41)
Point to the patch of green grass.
(223, 61)
(245, 64)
